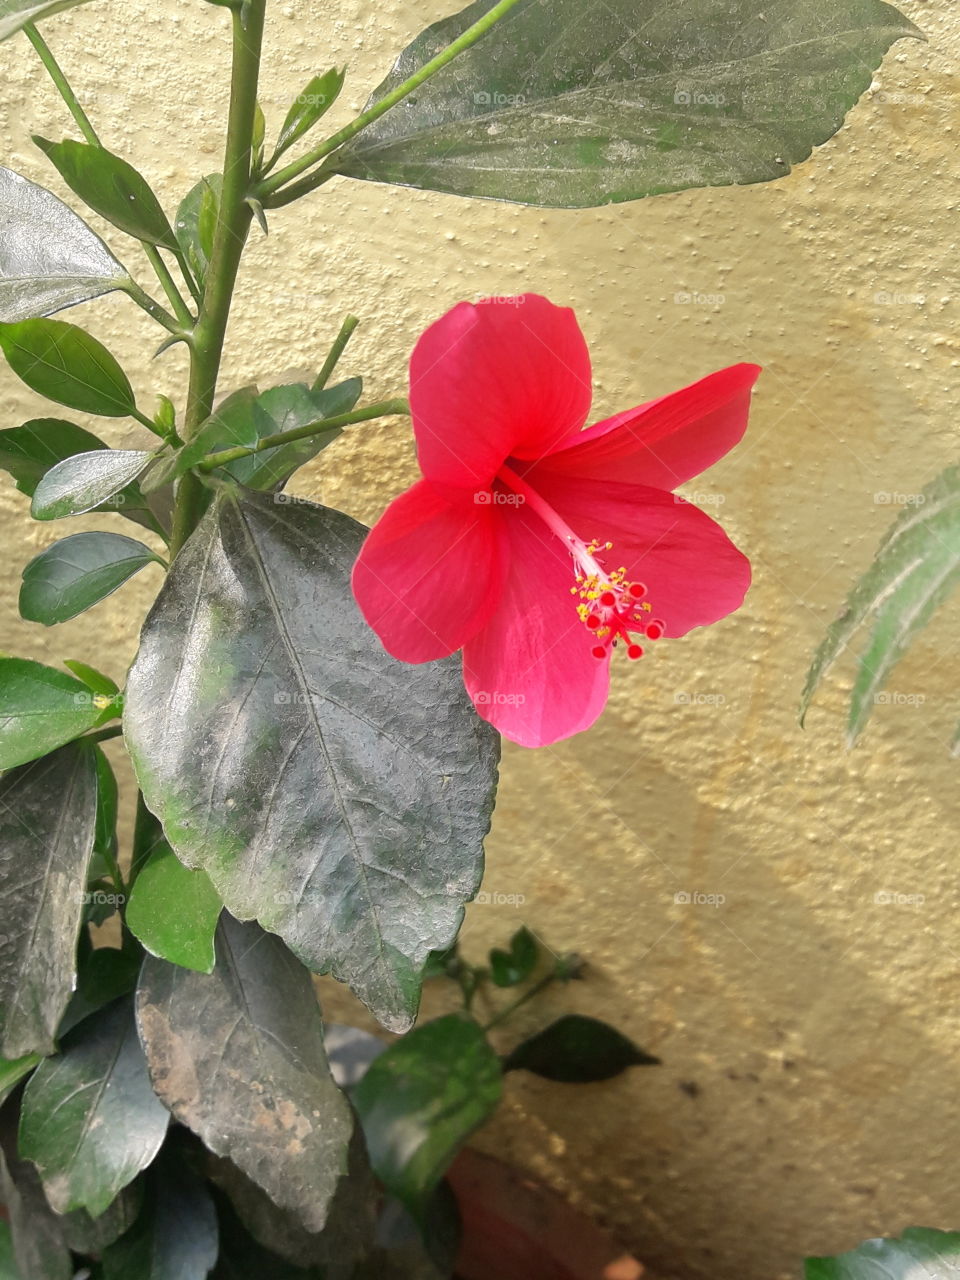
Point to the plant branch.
(90, 135)
(168, 284)
(229, 237)
(63, 86)
(541, 985)
(336, 351)
(479, 29)
(154, 309)
(380, 410)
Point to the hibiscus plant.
(316, 765)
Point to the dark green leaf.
(85, 1234)
(336, 795)
(174, 911)
(420, 1101)
(921, 1253)
(916, 567)
(47, 819)
(244, 1258)
(247, 417)
(565, 104)
(30, 451)
(41, 709)
(508, 968)
(86, 481)
(77, 572)
(39, 1248)
(350, 1225)
(238, 1057)
(89, 1119)
(49, 258)
(15, 14)
(578, 1050)
(196, 221)
(112, 188)
(67, 365)
(102, 977)
(108, 798)
(12, 1071)
(309, 106)
(175, 1238)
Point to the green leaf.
(12, 1071)
(351, 1221)
(568, 106)
(103, 976)
(15, 14)
(310, 106)
(49, 258)
(420, 1101)
(67, 365)
(238, 1057)
(30, 451)
(578, 1050)
(175, 1238)
(920, 1252)
(47, 821)
(332, 793)
(95, 680)
(77, 572)
(40, 709)
(86, 481)
(916, 567)
(243, 1258)
(174, 911)
(8, 1263)
(89, 1119)
(508, 968)
(246, 417)
(86, 1234)
(196, 222)
(39, 1248)
(112, 188)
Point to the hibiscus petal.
(668, 441)
(693, 573)
(499, 377)
(428, 574)
(530, 670)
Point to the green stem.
(229, 238)
(90, 134)
(60, 80)
(336, 351)
(104, 735)
(529, 994)
(469, 37)
(169, 285)
(380, 410)
(154, 309)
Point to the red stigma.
(593, 622)
(608, 599)
(654, 629)
(634, 652)
(637, 590)
(599, 651)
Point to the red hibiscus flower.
(535, 546)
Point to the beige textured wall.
(820, 1028)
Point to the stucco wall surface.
(808, 1032)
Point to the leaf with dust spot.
(332, 793)
(237, 1055)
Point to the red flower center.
(609, 606)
